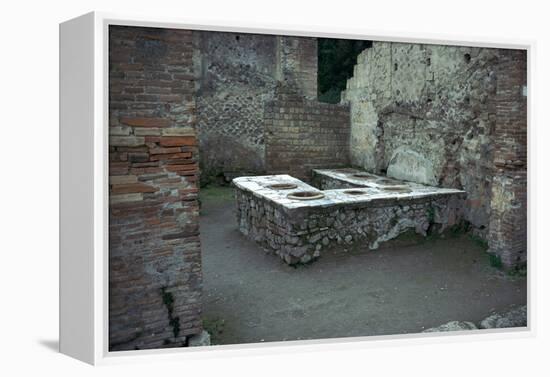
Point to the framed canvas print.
(229, 188)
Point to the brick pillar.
(154, 250)
(508, 223)
(297, 64)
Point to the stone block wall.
(303, 134)
(154, 249)
(300, 235)
(508, 227)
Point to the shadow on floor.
(52, 345)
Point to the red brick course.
(154, 249)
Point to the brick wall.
(302, 134)
(154, 249)
(508, 225)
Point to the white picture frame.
(84, 191)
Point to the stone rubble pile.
(516, 317)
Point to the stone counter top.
(377, 188)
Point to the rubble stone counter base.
(369, 211)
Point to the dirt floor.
(405, 286)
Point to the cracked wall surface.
(236, 74)
(449, 116)
(425, 113)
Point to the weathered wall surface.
(424, 113)
(449, 116)
(297, 64)
(236, 75)
(508, 226)
(154, 250)
(303, 134)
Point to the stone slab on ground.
(514, 318)
(199, 340)
(453, 326)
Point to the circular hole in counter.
(355, 192)
(345, 170)
(364, 176)
(282, 186)
(397, 189)
(306, 195)
(387, 181)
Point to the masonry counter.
(297, 221)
